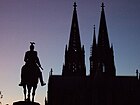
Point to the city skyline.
(47, 23)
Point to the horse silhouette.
(30, 72)
(30, 77)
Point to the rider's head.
(32, 46)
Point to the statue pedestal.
(25, 103)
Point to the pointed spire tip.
(102, 5)
(94, 27)
(75, 5)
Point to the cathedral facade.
(102, 86)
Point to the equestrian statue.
(31, 73)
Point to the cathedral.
(102, 86)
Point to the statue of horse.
(30, 78)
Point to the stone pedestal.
(25, 103)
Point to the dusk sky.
(48, 22)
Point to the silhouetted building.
(102, 86)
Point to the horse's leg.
(29, 91)
(33, 94)
(24, 90)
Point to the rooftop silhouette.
(102, 86)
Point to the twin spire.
(103, 39)
(102, 57)
(101, 52)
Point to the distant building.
(102, 86)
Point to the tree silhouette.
(1, 96)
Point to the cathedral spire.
(93, 57)
(103, 39)
(102, 54)
(94, 38)
(105, 53)
(74, 42)
(74, 55)
(93, 46)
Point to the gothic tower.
(102, 55)
(74, 54)
(93, 56)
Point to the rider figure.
(31, 61)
